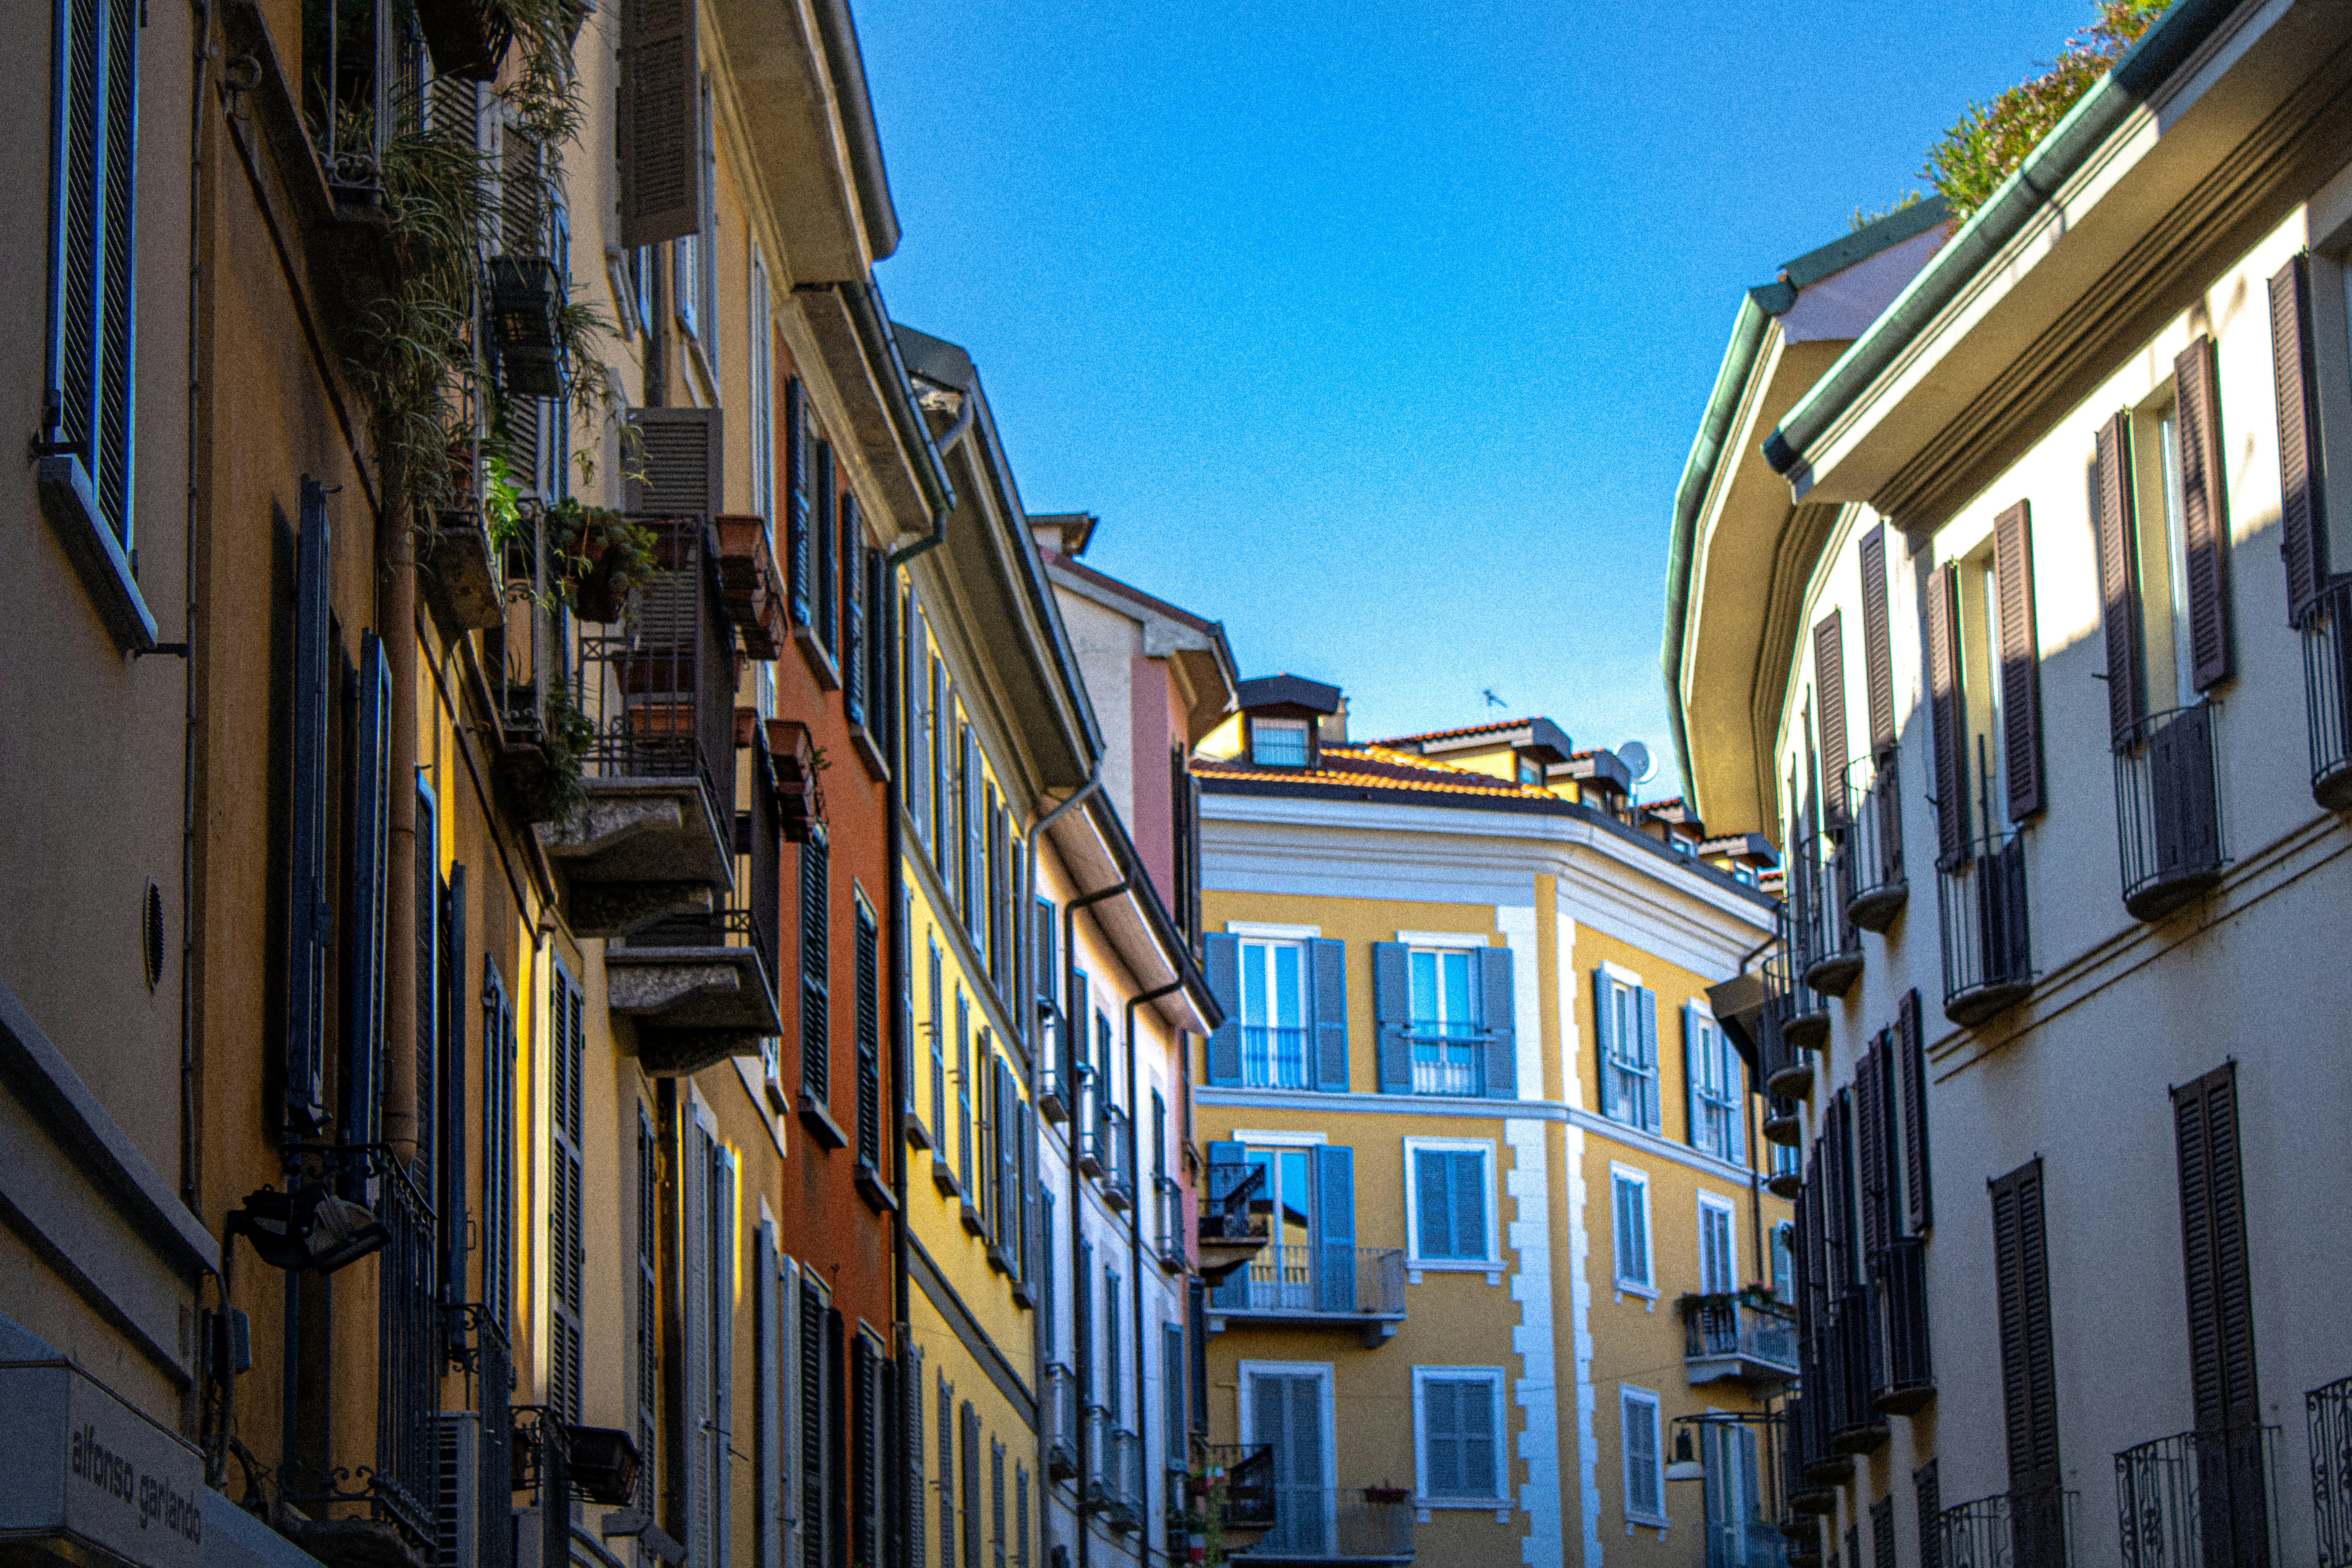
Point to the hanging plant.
(600, 555)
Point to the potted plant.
(1387, 1495)
(600, 555)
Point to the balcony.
(1332, 1284)
(1168, 1207)
(1274, 1057)
(1803, 1018)
(1065, 1437)
(2207, 1499)
(2328, 1411)
(1096, 1496)
(1787, 1071)
(1239, 1485)
(1829, 949)
(1057, 1088)
(1231, 1232)
(1803, 1498)
(1869, 857)
(1816, 1470)
(1733, 1337)
(1987, 957)
(2017, 1529)
(1110, 1147)
(1784, 1123)
(1906, 1378)
(2327, 628)
(1124, 1485)
(2168, 812)
(1335, 1524)
(1855, 1424)
(1447, 1059)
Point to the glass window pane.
(1423, 967)
(1254, 998)
(1287, 1013)
(1457, 990)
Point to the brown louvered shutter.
(2301, 538)
(1828, 697)
(677, 468)
(2118, 578)
(2029, 1378)
(2213, 1252)
(1877, 651)
(1938, 613)
(2204, 510)
(2020, 660)
(1870, 1148)
(659, 127)
(1911, 1078)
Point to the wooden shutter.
(1008, 1157)
(797, 507)
(567, 1239)
(1605, 1045)
(309, 917)
(1696, 1070)
(1877, 651)
(677, 469)
(1221, 960)
(767, 1376)
(723, 1348)
(864, 1453)
(1939, 613)
(816, 1025)
(2118, 578)
(823, 520)
(1927, 1494)
(2205, 517)
(1498, 999)
(1911, 1077)
(453, 1002)
(2303, 536)
(970, 1457)
(1327, 963)
(659, 127)
(918, 1520)
(1392, 1009)
(1335, 1229)
(1829, 698)
(2020, 660)
(947, 1473)
(2213, 1252)
(1652, 1119)
(1871, 1151)
(869, 1041)
(498, 1150)
(363, 905)
(853, 619)
(815, 1450)
(2028, 1379)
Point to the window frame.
(1624, 982)
(1489, 1259)
(1703, 1035)
(1264, 949)
(1629, 1395)
(1283, 726)
(1495, 1379)
(1708, 1203)
(1626, 1176)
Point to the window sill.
(819, 661)
(820, 1122)
(918, 1136)
(1464, 1504)
(71, 507)
(998, 1258)
(1025, 1293)
(944, 1178)
(871, 1188)
(1647, 1292)
(869, 752)
(971, 1221)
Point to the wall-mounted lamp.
(309, 1227)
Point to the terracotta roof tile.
(1376, 766)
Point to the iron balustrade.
(1064, 1435)
(1330, 1281)
(1718, 1326)
(1828, 947)
(2327, 630)
(1336, 1524)
(2328, 1412)
(658, 692)
(1057, 1089)
(1229, 1212)
(1907, 1375)
(1870, 855)
(2008, 1529)
(1854, 1376)
(1988, 954)
(1094, 1459)
(1113, 1141)
(1245, 1475)
(1274, 1057)
(1127, 1493)
(1167, 1202)
(2168, 810)
(2199, 1500)
(1799, 1011)
(1788, 1072)
(1448, 1059)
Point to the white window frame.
(1488, 1259)
(1261, 950)
(1703, 1035)
(1616, 976)
(1493, 1376)
(1783, 1246)
(1272, 929)
(1711, 1203)
(760, 364)
(1304, 730)
(1628, 1395)
(1321, 1372)
(1629, 1175)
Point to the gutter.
(863, 301)
(943, 446)
(2095, 116)
(846, 64)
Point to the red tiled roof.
(1375, 766)
(1452, 734)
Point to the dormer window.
(1278, 743)
(1531, 772)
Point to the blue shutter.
(363, 943)
(1604, 1044)
(1328, 971)
(1497, 997)
(1476, 1406)
(1235, 1291)
(1441, 1416)
(1694, 1065)
(309, 919)
(1432, 1205)
(1221, 958)
(450, 1168)
(1335, 1229)
(1732, 1073)
(796, 502)
(1469, 1186)
(822, 567)
(1650, 1119)
(1392, 1008)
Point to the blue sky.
(1378, 330)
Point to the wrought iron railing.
(1057, 1089)
(1168, 1206)
(1126, 1482)
(1247, 1474)
(1229, 1200)
(1870, 857)
(1801, 1013)
(1337, 1524)
(1330, 1281)
(1448, 1060)
(2328, 1412)
(1064, 1435)
(1906, 1376)
(2168, 810)
(1988, 952)
(2010, 1530)
(1855, 1426)
(1112, 1142)
(2199, 1500)
(1718, 1326)
(658, 690)
(1274, 1057)
(1828, 947)
(2327, 628)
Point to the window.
(1784, 1264)
(1447, 1043)
(1717, 1090)
(816, 1048)
(825, 518)
(758, 358)
(1629, 1196)
(869, 1039)
(1114, 1384)
(566, 1240)
(1719, 1272)
(1274, 1014)
(1786, 1161)
(1628, 1022)
(1531, 773)
(1283, 1275)
(1447, 1221)
(1645, 1489)
(1458, 1419)
(1278, 743)
(2164, 577)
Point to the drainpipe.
(901, 1068)
(396, 613)
(1079, 1343)
(1135, 1224)
(939, 533)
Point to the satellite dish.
(1638, 761)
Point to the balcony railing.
(1870, 857)
(1729, 1336)
(1987, 956)
(2327, 628)
(658, 692)
(1064, 1436)
(1331, 1282)
(1113, 1149)
(1335, 1524)
(2328, 1411)
(1246, 1476)
(1787, 1071)
(2015, 1530)
(1906, 1376)
(2199, 1500)
(1098, 1495)
(1274, 1057)
(1124, 1482)
(1800, 1011)
(1169, 1239)
(1829, 949)
(1855, 1424)
(2167, 811)
(1448, 1059)
(1057, 1089)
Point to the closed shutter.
(946, 1474)
(1021, 1516)
(2213, 1251)
(1939, 626)
(869, 1040)
(836, 1410)
(452, 1004)
(567, 1243)
(918, 1504)
(825, 570)
(309, 917)
(816, 1451)
(498, 1150)
(767, 1375)
(1008, 1158)
(363, 906)
(1031, 1238)
(1640, 1417)
(963, 1094)
(816, 1022)
(1455, 1420)
(881, 647)
(1335, 1229)
(723, 1353)
(1082, 1319)
(1882, 1533)
(1838, 1216)
(1652, 1115)
(2204, 506)
(649, 1313)
(1498, 998)
(1391, 1011)
(1221, 960)
(1927, 1494)
(2029, 1377)
(2302, 537)
(694, 1414)
(864, 1452)
(1329, 965)
(2020, 660)
(1828, 701)
(1174, 1436)
(853, 616)
(677, 469)
(796, 500)
(2118, 578)
(658, 128)
(1911, 1077)
(1605, 1047)
(936, 1028)
(996, 1502)
(1695, 1069)
(969, 1458)
(1870, 1148)
(1877, 649)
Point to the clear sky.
(1379, 330)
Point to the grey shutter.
(1939, 626)
(853, 616)
(2020, 660)
(868, 963)
(816, 970)
(767, 1362)
(1870, 1148)
(797, 508)
(1432, 1174)
(1441, 1416)
(969, 1458)
(2205, 517)
(2303, 538)
(364, 907)
(2118, 578)
(694, 1170)
(1498, 999)
(814, 1447)
(1392, 1008)
(2029, 1382)
(722, 1353)
(1693, 1066)
(2213, 1252)
(1007, 1212)
(308, 916)
(1335, 1229)
(1082, 1322)
(1475, 1437)
(1911, 1073)
(1927, 1494)
(679, 465)
(1877, 650)
(1329, 966)
(1469, 1190)
(918, 1518)
(1605, 1046)
(1829, 703)
(946, 1474)
(1235, 1291)
(1651, 1119)
(1221, 958)
(659, 126)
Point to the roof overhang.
(1196, 648)
(1097, 853)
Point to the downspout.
(1079, 1343)
(939, 533)
(901, 1076)
(190, 1163)
(397, 615)
(1135, 1230)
